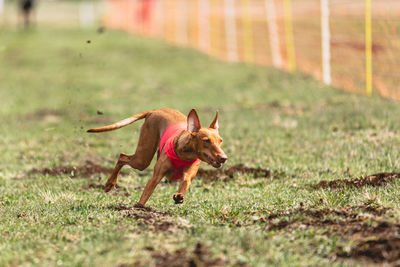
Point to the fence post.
(1, 6)
(132, 19)
(247, 31)
(287, 9)
(325, 34)
(158, 26)
(273, 33)
(147, 16)
(86, 15)
(368, 47)
(204, 25)
(230, 30)
(181, 16)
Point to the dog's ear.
(193, 122)
(214, 124)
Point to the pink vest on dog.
(167, 143)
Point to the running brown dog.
(179, 154)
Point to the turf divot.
(79, 171)
(375, 239)
(155, 221)
(199, 256)
(225, 174)
(378, 179)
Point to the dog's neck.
(185, 146)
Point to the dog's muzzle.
(216, 164)
(222, 159)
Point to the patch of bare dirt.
(379, 249)
(228, 173)
(378, 241)
(378, 179)
(44, 114)
(281, 107)
(155, 221)
(89, 169)
(200, 256)
(316, 217)
(375, 240)
(210, 175)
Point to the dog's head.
(207, 140)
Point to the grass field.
(53, 84)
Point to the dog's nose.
(223, 158)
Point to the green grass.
(289, 124)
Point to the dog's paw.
(108, 187)
(178, 198)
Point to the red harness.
(167, 143)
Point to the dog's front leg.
(188, 176)
(162, 166)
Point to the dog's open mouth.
(212, 162)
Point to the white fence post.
(86, 14)
(182, 22)
(230, 29)
(368, 46)
(159, 18)
(273, 33)
(326, 36)
(1, 6)
(204, 25)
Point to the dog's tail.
(120, 124)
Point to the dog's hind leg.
(112, 180)
(146, 148)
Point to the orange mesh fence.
(328, 39)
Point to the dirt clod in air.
(79, 171)
(228, 173)
(101, 30)
(378, 179)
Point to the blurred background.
(330, 40)
(52, 12)
(342, 42)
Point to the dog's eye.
(207, 141)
